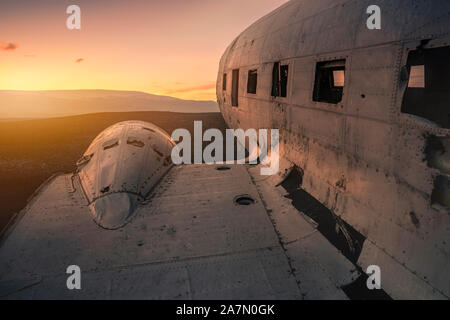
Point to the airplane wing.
(205, 232)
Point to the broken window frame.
(325, 90)
(280, 83)
(427, 105)
(252, 81)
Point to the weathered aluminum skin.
(362, 158)
(190, 240)
(120, 168)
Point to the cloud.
(205, 87)
(8, 46)
(79, 60)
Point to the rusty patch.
(415, 221)
(342, 183)
(167, 160)
(171, 230)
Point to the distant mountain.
(45, 104)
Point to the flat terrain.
(48, 104)
(31, 151)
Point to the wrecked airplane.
(364, 130)
(364, 117)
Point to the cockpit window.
(111, 144)
(428, 88)
(84, 160)
(135, 142)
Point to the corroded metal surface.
(378, 169)
(372, 166)
(189, 241)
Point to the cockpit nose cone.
(121, 168)
(112, 211)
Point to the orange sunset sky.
(166, 47)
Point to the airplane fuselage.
(361, 112)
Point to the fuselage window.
(235, 88)
(428, 88)
(252, 82)
(224, 82)
(329, 82)
(279, 80)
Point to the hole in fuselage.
(244, 200)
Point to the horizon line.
(111, 90)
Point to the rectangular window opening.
(224, 82)
(279, 80)
(252, 82)
(329, 82)
(427, 93)
(235, 88)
